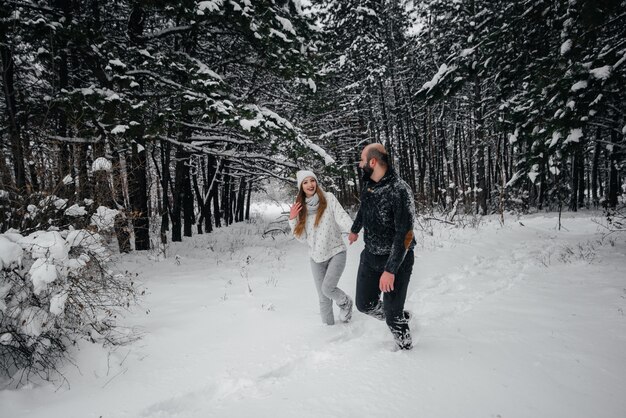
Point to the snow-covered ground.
(520, 320)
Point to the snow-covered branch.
(74, 140)
(166, 32)
(229, 154)
(201, 140)
(167, 82)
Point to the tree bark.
(8, 87)
(573, 203)
(178, 195)
(613, 173)
(137, 176)
(165, 182)
(188, 206)
(479, 150)
(594, 171)
(248, 199)
(581, 178)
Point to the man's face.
(365, 164)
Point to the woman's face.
(309, 185)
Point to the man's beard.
(368, 170)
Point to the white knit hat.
(302, 174)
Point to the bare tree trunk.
(189, 217)
(226, 196)
(381, 96)
(137, 176)
(241, 195)
(138, 193)
(199, 195)
(6, 181)
(248, 199)
(210, 187)
(28, 156)
(542, 187)
(581, 177)
(594, 171)
(573, 203)
(613, 173)
(479, 151)
(165, 181)
(178, 195)
(432, 199)
(216, 208)
(215, 191)
(65, 166)
(83, 186)
(8, 87)
(462, 184)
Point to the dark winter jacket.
(386, 213)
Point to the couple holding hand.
(386, 215)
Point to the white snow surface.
(566, 46)
(443, 70)
(119, 129)
(10, 254)
(286, 24)
(574, 135)
(76, 210)
(579, 85)
(534, 173)
(101, 163)
(555, 138)
(46, 244)
(248, 124)
(117, 63)
(601, 73)
(520, 320)
(279, 34)
(42, 273)
(210, 5)
(57, 303)
(104, 218)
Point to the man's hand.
(295, 210)
(386, 282)
(353, 237)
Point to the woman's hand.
(295, 210)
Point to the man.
(386, 214)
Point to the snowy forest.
(148, 123)
(173, 113)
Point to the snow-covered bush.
(43, 212)
(55, 289)
(40, 211)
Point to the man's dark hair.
(382, 157)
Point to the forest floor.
(520, 320)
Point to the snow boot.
(407, 316)
(404, 342)
(345, 310)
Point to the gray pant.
(326, 276)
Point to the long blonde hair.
(304, 211)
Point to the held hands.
(386, 282)
(353, 237)
(295, 210)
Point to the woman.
(318, 219)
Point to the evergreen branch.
(228, 155)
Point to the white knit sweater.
(325, 240)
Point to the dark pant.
(391, 309)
